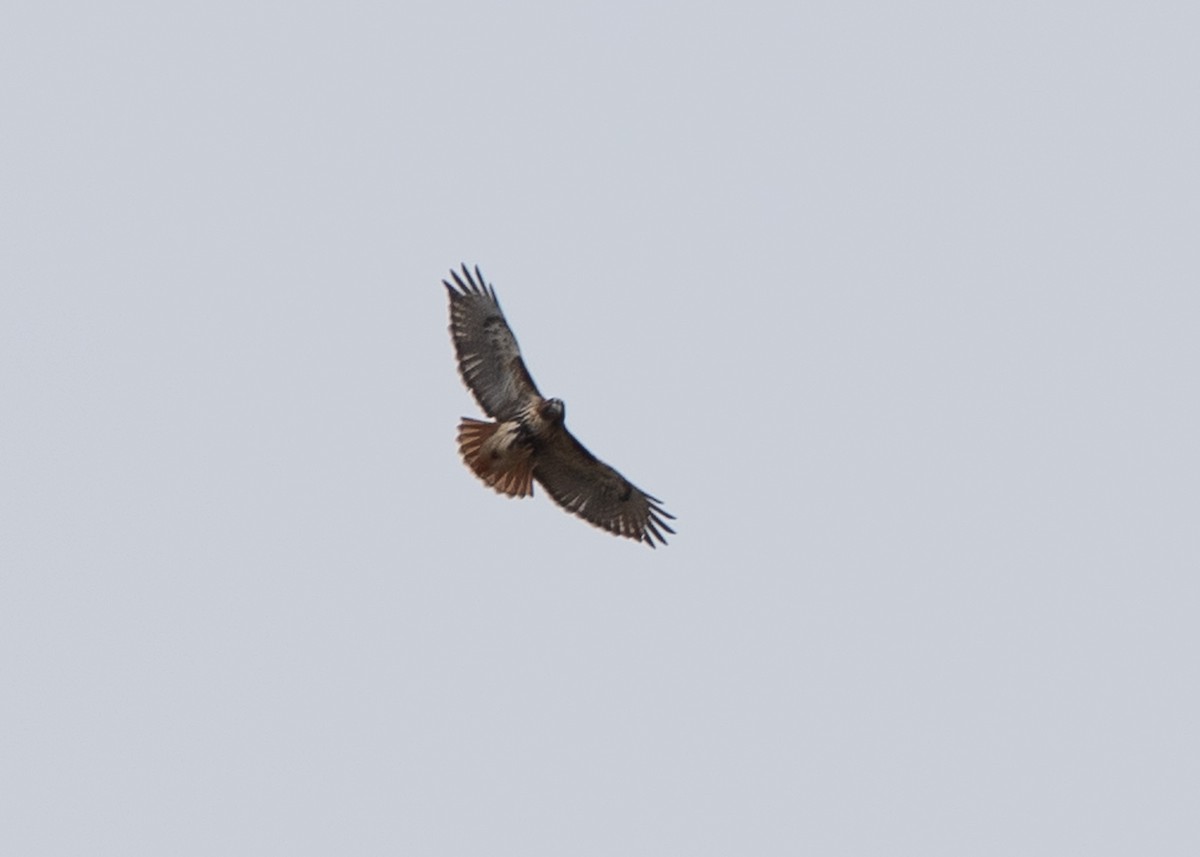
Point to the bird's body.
(529, 440)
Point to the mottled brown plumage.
(529, 440)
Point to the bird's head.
(554, 410)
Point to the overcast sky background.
(895, 306)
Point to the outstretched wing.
(488, 358)
(586, 486)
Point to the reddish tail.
(493, 452)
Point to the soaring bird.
(527, 440)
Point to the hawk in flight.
(528, 440)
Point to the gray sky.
(894, 305)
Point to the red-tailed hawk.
(528, 439)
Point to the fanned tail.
(496, 457)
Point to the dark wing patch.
(586, 486)
(488, 357)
